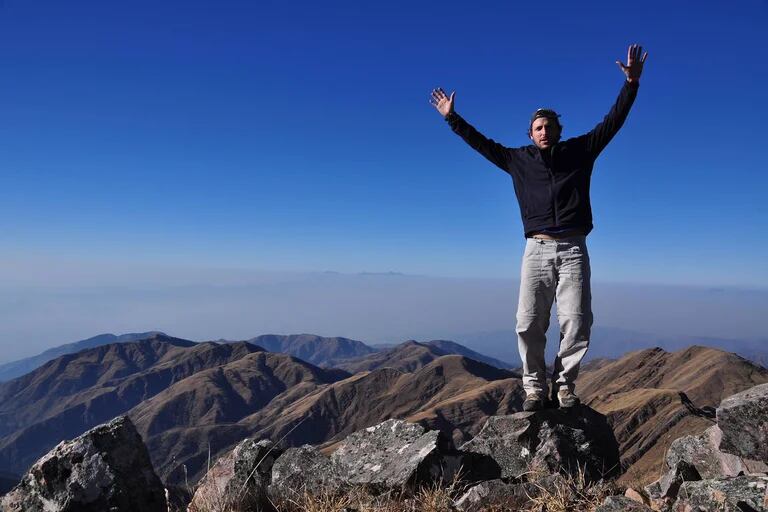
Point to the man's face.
(545, 132)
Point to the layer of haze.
(75, 301)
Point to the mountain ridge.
(13, 369)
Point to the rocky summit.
(575, 439)
(108, 467)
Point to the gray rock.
(305, 469)
(670, 483)
(702, 452)
(738, 494)
(386, 456)
(495, 492)
(743, 419)
(394, 454)
(105, 469)
(622, 504)
(549, 441)
(239, 479)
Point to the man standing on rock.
(551, 180)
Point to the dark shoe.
(566, 398)
(533, 402)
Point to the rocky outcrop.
(239, 479)
(107, 468)
(703, 453)
(743, 418)
(549, 441)
(394, 454)
(701, 475)
(391, 455)
(533, 450)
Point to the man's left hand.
(635, 60)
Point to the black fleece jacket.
(553, 189)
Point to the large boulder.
(738, 494)
(105, 469)
(305, 470)
(703, 453)
(391, 455)
(549, 441)
(238, 480)
(394, 454)
(743, 419)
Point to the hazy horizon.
(208, 304)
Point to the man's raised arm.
(602, 134)
(490, 149)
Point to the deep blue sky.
(298, 136)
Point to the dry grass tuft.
(571, 493)
(428, 498)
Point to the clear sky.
(297, 136)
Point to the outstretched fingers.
(437, 95)
(439, 92)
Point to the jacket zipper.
(552, 185)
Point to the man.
(551, 180)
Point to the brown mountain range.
(189, 400)
(75, 392)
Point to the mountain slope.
(406, 357)
(15, 369)
(451, 347)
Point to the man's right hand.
(442, 102)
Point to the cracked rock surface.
(105, 469)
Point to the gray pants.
(554, 269)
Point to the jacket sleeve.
(602, 134)
(490, 149)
